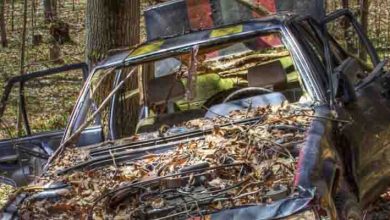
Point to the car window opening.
(176, 89)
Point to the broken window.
(50, 100)
(346, 43)
(47, 101)
(210, 74)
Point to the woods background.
(40, 34)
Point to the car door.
(44, 99)
(358, 93)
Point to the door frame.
(22, 79)
(358, 28)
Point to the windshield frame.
(302, 63)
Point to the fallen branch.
(91, 118)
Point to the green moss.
(210, 84)
(206, 86)
(286, 62)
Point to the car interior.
(260, 69)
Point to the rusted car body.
(343, 163)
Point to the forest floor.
(49, 100)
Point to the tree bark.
(364, 9)
(12, 14)
(50, 10)
(21, 86)
(112, 25)
(33, 19)
(345, 3)
(346, 24)
(24, 33)
(3, 29)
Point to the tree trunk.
(50, 8)
(112, 25)
(345, 3)
(12, 14)
(3, 30)
(364, 6)
(346, 26)
(21, 86)
(33, 8)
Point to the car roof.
(168, 46)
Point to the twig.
(249, 108)
(223, 116)
(91, 118)
(326, 118)
(113, 159)
(114, 162)
(122, 188)
(247, 185)
(247, 194)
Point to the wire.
(97, 200)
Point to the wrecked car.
(268, 118)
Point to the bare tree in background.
(3, 29)
(111, 25)
(364, 9)
(59, 30)
(346, 25)
(22, 71)
(12, 14)
(345, 3)
(50, 9)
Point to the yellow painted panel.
(148, 48)
(226, 31)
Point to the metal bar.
(133, 151)
(48, 72)
(122, 157)
(114, 101)
(362, 36)
(101, 150)
(28, 76)
(33, 153)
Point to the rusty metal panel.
(267, 4)
(182, 16)
(200, 14)
(315, 8)
(234, 12)
(167, 19)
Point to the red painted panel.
(269, 41)
(264, 42)
(200, 14)
(268, 4)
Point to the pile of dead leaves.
(234, 165)
(5, 192)
(379, 210)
